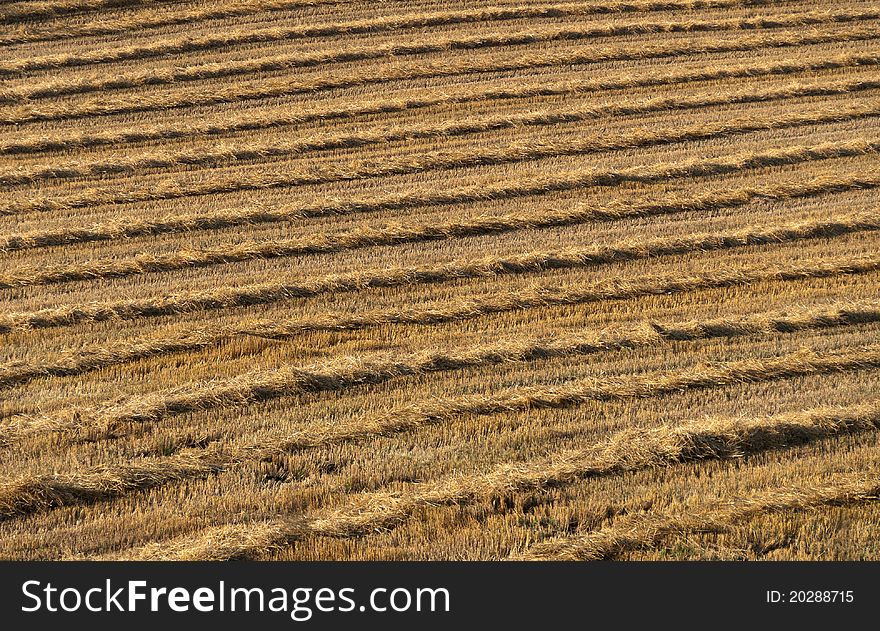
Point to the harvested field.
(325, 280)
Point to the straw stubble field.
(321, 279)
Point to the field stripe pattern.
(522, 280)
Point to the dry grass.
(494, 39)
(361, 108)
(283, 86)
(315, 279)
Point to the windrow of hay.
(438, 45)
(247, 152)
(800, 363)
(400, 233)
(75, 362)
(476, 268)
(581, 257)
(627, 451)
(582, 178)
(241, 8)
(465, 94)
(611, 289)
(109, 420)
(437, 279)
(276, 87)
(641, 531)
(213, 183)
(31, 31)
(21, 11)
(242, 67)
